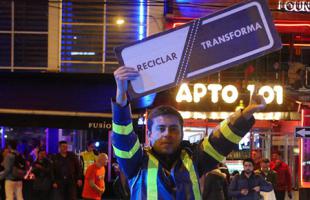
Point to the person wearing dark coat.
(267, 173)
(215, 186)
(42, 170)
(248, 185)
(67, 173)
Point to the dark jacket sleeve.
(265, 186)
(126, 145)
(222, 141)
(225, 189)
(233, 187)
(288, 179)
(54, 170)
(274, 179)
(78, 167)
(207, 185)
(37, 170)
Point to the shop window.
(194, 134)
(24, 45)
(30, 50)
(5, 50)
(5, 16)
(31, 15)
(90, 33)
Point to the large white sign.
(203, 46)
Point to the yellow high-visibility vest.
(89, 158)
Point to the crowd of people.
(271, 180)
(58, 176)
(169, 168)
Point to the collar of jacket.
(218, 172)
(243, 175)
(167, 161)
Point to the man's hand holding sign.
(170, 168)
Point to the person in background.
(33, 156)
(284, 178)
(3, 154)
(215, 185)
(88, 157)
(256, 155)
(120, 184)
(248, 185)
(42, 170)
(67, 173)
(265, 171)
(233, 174)
(14, 170)
(224, 169)
(94, 185)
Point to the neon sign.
(228, 93)
(294, 6)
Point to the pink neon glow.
(305, 184)
(297, 45)
(292, 25)
(276, 24)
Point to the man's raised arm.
(125, 142)
(227, 135)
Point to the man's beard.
(248, 172)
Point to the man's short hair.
(90, 143)
(266, 160)
(63, 142)
(163, 110)
(248, 160)
(235, 172)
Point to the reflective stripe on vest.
(122, 130)
(188, 163)
(88, 159)
(152, 175)
(152, 171)
(228, 133)
(208, 148)
(127, 154)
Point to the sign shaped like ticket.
(203, 46)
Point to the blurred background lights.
(97, 144)
(120, 21)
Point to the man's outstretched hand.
(257, 104)
(122, 75)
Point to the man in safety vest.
(171, 168)
(89, 156)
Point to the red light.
(177, 24)
(292, 25)
(297, 44)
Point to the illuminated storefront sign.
(100, 125)
(229, 93)
(294, 6)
